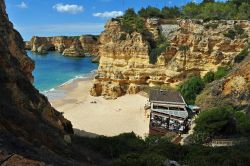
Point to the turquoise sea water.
(54, 69)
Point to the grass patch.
(241, 56)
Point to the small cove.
(53, 69)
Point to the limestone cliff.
(124, 58)
(68, 45)
(31, 131)
(233, 90)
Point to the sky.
(72, 17)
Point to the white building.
(168, 112)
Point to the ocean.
(54, 69)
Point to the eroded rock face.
(29, 126)
(18, 160)
(74, 50)
(72, 46)
(13, 42)
(124, 58)
(233, 90)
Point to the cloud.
(68, 8)
(108, 14)
(22, 5)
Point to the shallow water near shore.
(53, 70)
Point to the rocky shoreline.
(67, 45)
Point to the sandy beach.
(103, 117)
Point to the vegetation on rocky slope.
(232, 90)
(221, 122)
(207, 10)
(47, 139)
(242, 55)
(157, 48)
(218, 122)
(133, 22)
(194, 85)
(191, 88)
(224, 98)
(128, 149)
(32, 132)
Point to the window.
(181, 109)
(173, 108)
(159, 107)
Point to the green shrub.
(154, 54)
(207, 10)
(243, 36)
(122, 152)
(222, 71)
(123, 36)
(215, 122)
(208, 1)
(243, 123)
(216, 11)
(191, 88)
(170, 12)
(191, 10)
(137, 159)
(243, 11)
(209, 77)
(239, 30)
(230, 34)
(183, 48)
(115, 19)
(113, 147)
(200, 137)
(211, 25)
(241, 56)
(131, 22)
(139, 26)
(220, 122)
(157, 48)
(150, 12)
(154, 140)
(76, 37)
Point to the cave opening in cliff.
(147, 78)
(52, 48)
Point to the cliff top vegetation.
(207, 10)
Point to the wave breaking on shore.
(59, 92)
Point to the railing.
(156, 130)
(225, 142)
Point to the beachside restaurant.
(168, 112)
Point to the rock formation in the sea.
(69, 45)
(232, 90)
(32, 132)
(125, 63)
(74, 50)
(27, 45)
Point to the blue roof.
(192, 107)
